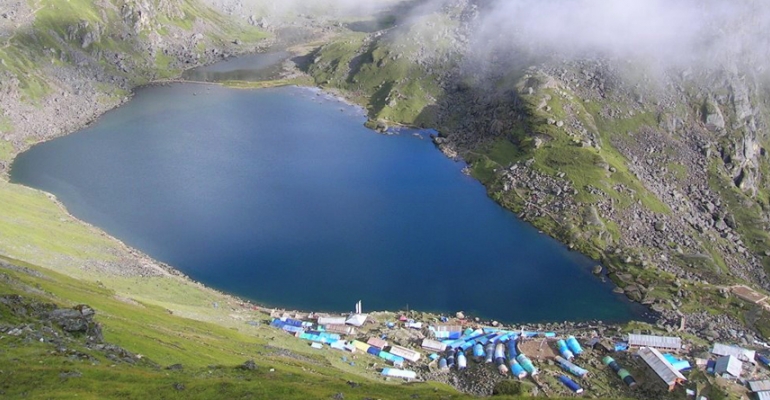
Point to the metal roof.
(663, 342)
(735, 351)
(408, 354)
(341, 329)
(661, 366)
(434, 345)
(763, 395)
(331, 320)
(759, 386)
(448, 328)
(729, 364)
(356, 319)
(377, 342)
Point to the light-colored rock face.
(744, 135)
(715, 120)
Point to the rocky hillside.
(660, 174)
(62, 63)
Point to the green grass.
(677, 171)
(332, 59)
(208, 352)
(267, 84)
(483, 169)
(504, 153)
(163, 64)
(36, 229)
(6, 150)
(379, 76)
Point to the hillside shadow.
(386, 18)
(378, 100)
(355, 64)
(373, 25)
(428, 117)
(303, 62)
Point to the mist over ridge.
(665, 33)
(670, 33)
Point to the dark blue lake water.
(283, 197)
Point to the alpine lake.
(283, 197)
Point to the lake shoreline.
(329, 104)
(154, 266)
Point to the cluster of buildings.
(726, 361)
(446, 346)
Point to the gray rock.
(70, 374)
(660, 226)
(249, 365)
(713, 116)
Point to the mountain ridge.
(659, 174)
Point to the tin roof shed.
(735, 351)
(433, 345)
(331, 320)
(762, 395)
(760, 386)
(671, 343)
(661, 366)
(728, 365)
(377, 342)
(408, 354)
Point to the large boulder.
(78, 320)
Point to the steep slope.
(658, 174)
(65, 338)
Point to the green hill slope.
(41, 359)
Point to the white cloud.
(671, 32)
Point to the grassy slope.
(208, 352)
(135, 313)
(372, 73)
(381, 75)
